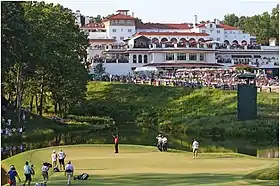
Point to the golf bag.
(56, 169)
(32, 170)
(83, 176)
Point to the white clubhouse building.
(123, 44)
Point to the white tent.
(146, 69)
(217, 42)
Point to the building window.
(121, 30)
(192, 57)
(169, 57)
(203, 31)
(114, 37)
(129, 30)
(134, 58)
(218, 31)
(139, 58)
(230, 32)
(121, 38)
(210, 38)
(114, 30)
(233, 32)
(145, 59)
(225, 32)
(218, 39)
(181, 57)
(201, 57)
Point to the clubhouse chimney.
(195, 21)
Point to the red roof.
(101, 40)
(226, 27)
(163, 26)
(171, 34)
(180, 65)
(94, 25)
(120, 16)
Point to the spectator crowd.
(10, 128)
(196, 78)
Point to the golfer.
(61, 159)
(69, 171)
(195, 146)
(116, 142)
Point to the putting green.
(139, 165)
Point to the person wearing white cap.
(54, 158)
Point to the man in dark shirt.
(12, 176)
(116, 141)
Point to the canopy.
(149, 69)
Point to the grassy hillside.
(141, 111)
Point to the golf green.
(140, 165)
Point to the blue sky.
(171, 11)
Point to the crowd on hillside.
(8, 151)
(218, 78)
(9, 128)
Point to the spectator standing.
(69, 171)
(54, 159)
(45, 173)
(12, 173)
(27, 172)
(61, 159)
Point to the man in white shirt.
(61, 157)
(54, 158)
(45, 174)
(164, 143)
(69, 171)
(159, 143)
(195, 146)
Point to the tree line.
(43, 56)
(263, 26)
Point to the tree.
(15, 49)
(231, 19)
(262, 26)
(99, 69)
(43, 55)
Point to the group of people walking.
(162, 142)
(162, 145)
(29, 171)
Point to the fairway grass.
(139, 165)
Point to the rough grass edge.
(271, 173)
